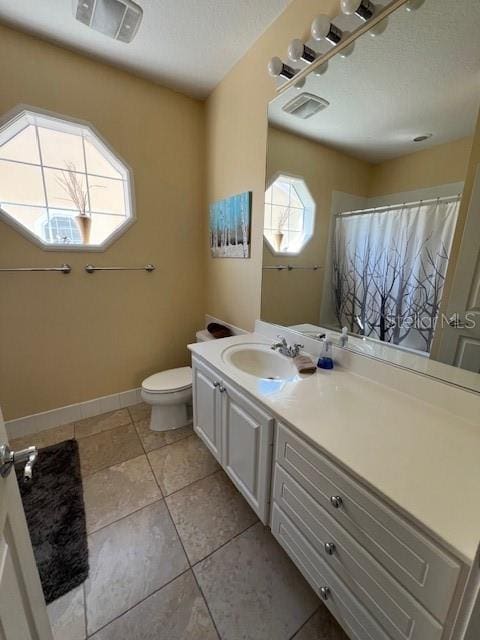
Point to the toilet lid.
(169, 381)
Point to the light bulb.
(413, 5)
(300, 84)
(321, 69)
(345, 53)
(379, 28)
(364, 9)
(297, 51)
(322, 28)
(276, 68)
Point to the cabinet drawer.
(399, 613)
(355, 619)
(418, 564)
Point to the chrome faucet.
(285, 349)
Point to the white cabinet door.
(23, 614)
(247, 437)
(207, 407)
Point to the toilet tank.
(204, 336)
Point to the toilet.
(170, 395)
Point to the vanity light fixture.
(347, 52)
(323, 29)
(379, 28)
(413, 5)
(364, 9)
(278, 69)
(299, 84)
(298, 51)
(321, 69)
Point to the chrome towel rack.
(90, 268)
(289, 267)
(64, 268)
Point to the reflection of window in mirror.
(60, 185)
(289, 215)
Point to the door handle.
(9, 458)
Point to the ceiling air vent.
(305, 105)
(118, 19)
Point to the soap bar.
(304, 364)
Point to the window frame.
(26, 111)
(309, 212)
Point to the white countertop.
(421, 457)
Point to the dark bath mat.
(55, 513)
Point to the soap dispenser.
(325, 361)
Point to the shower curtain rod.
(409, 205)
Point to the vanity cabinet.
(238, 432)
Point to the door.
(206, 407)
(247, 442)
(23, 614)
(460, 343)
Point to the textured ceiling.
(188, 45)
(421, 76)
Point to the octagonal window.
(61, 185)
(289, 215)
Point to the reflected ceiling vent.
(305, 105)
(118, 19)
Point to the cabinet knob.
(324, 593)
(216, 384)
(330, 548)
(336, 501)
(221, 388)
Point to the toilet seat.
(169, 381)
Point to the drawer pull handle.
(324, 593)
(330, 548)
(336, 501)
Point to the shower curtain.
(389, 268)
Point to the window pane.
(61, 228)
(61, 150)
(295, 199)
(267, 223)
(103, 225)
(98, 164)
(295, 220)
(66, 190)
(30, 217)
(21, 183)
(280, 192)
(107, 195)
(22, 147)
(293, 242)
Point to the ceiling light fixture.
(298, 51)
(278, 69)
(347, 52)
(305, 105)
(323, 29)
(379, 28)
(363, 9)
(321, 69)
(118, 19)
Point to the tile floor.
(175, 551)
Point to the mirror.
(372, 202)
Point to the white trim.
(235, 330)
(71, 413)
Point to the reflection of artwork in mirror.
(230, 226)
(60, 185)
(393, 168)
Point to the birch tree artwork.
(230, 226)
(389, 269)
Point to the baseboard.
(71, 413)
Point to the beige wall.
(64, 339)
(441, 164)
(236, 145)
(294, 297)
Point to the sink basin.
(260, 361)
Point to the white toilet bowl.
(170, 395)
